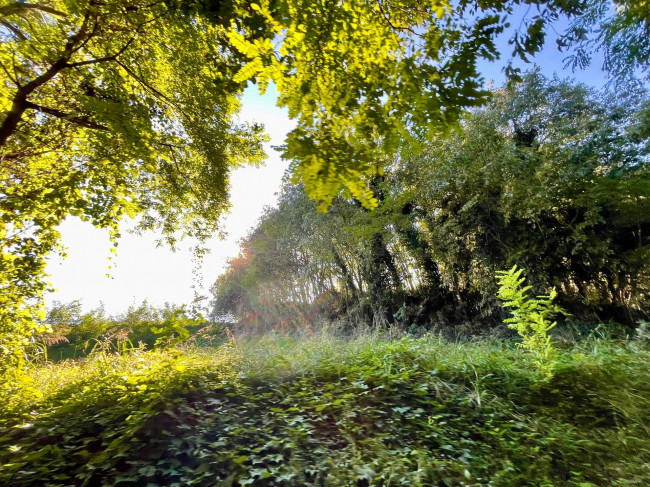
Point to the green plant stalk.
(531, 317)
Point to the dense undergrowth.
(75, 334)
(369, 411)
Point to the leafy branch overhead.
(98, 120)
(366, 78)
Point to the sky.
(143, 271)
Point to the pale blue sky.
(143, 271)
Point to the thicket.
(76, 333)
(550, 176)
(320, 411)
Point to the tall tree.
(98, 120)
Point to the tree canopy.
(549, 175)
(366, 79)
(127, 108)
(110, 109)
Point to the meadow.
(453, 288)
(380, 408)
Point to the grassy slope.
(323, 412)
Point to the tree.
(549, 175)
(283, 271)
(366, 79)
(99, 121)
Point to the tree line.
(551, 176)
(127, 109)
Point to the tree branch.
(104, 59)
(83, 121)
(153, 90)
(398, 28)
(19, 103)
(4, 68)
(20, 7)
(17, 32)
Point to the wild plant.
(531, 317)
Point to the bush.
(76, 334)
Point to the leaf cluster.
(531, 317)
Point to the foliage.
(98, 121)
(623, 37)
(531, 317)
(174, 327)
(17, 328)
(562, 187)
(319, 411)
(550, 175)
(367, 79)
(77, 334)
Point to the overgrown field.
(370, 411)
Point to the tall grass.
(378, 409)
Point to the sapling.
(531, 317)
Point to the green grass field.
(322, 411)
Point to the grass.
(321, 411)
